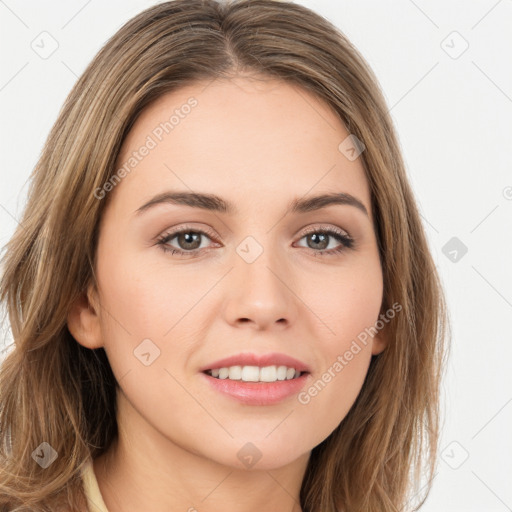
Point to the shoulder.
(92, 491)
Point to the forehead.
(256, 136)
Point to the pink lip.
(271, 359)
(258, 393)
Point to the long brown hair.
(53, 390)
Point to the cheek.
(145, 308)
(349, 309)
(131, 309)
(346, 301)
(145, 300)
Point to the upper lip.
(250, 359)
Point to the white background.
(454, 119)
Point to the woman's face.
(251, 278)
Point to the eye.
(189, 241)
(319, 239)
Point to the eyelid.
(187, 227)
(314, 228)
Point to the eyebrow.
(212, 202)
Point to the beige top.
(92, 491)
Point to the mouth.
(264, 374)
(256, 385)
(257, 379)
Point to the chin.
(264, 454)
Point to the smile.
(255, 373)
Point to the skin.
(258, 144)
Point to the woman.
(221, 292)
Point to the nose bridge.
(258, 290)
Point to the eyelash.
(346, 241)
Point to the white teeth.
(290, 373)
(235, 372)
(223, 373)
(269, 374)
(255, 373)
(250, 373)
(281, 373)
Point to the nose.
(260, 294)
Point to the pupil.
(187, 239)
(323, 242)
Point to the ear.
(380, 341)
(84, 320)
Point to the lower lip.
(258, 393)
